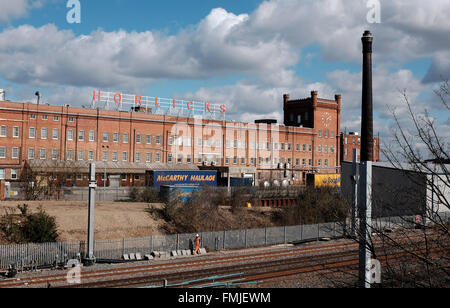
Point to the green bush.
(28, 227)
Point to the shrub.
(28, 227)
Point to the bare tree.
(419, 147)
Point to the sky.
(244, 54)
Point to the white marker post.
(92, 185)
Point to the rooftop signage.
(155, 105)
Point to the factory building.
(135, 138)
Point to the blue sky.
(245, 54)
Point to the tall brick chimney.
(367, 102)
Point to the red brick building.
(308, 142)
(352, 141)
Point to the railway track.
(179, 272)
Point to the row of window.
(325, 134)
(3, 174)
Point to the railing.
(48, 254)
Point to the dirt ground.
(115, 220)
(112, 219)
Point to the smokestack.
(367, 101)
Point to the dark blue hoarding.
(194, 178)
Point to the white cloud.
(11, 9)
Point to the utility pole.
(365, 200)
(90, 258)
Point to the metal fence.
(38, 255)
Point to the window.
(326, 133)
(55, 134)
(2, 174)
(91, 136)
(319, 148)
(43, 133)
(91, 155)
(3, 131)
(158, 140)
(16, 132)
(43, 154)
(320, 133)
(170, 140)
(199, 159)
(299, 119)
(304, 148)
(70, 134)
(15, 153)
(54, 154)
(297, 147)
(56, 118)
(289, 147)
(304, 161)
(2, 152)
(180, 158)
(158, 157)
(148, 157)
(45, 117)
(138, 157)
(235, 160)
(310, 162)
(319, 163)
(189, 159)
(326, 149)
(310, 147)
(81, 135)
(235, 144)
(227, 160)
(297, 161)
(71, 119)
(332, 149)
(14, 174)
(326, 162)
(105, 137)
(138, 138)
(125, 156)
(69, 154)
(80, 154)
(115, 156)
(116, 137)
(30, 153)
(332, 134)
(32, 117)
(149, 139)
(170, 158)
(282, 146)
(125, 138)
(105, 156)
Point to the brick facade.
(352, 141)
(34, 132)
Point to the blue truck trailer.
(183, 178)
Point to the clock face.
(326, 119)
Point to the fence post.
(224, 238)
(265, 236)
(177, 242)
(245, 238)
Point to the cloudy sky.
(242, 53)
